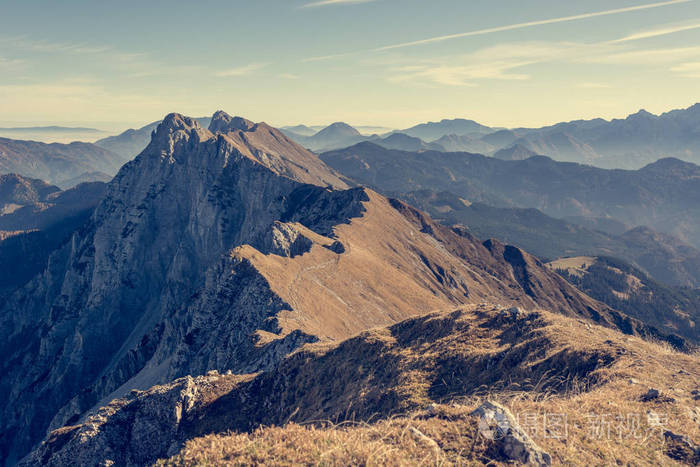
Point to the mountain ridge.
(421, 377)
(665, 200)
(55, 162)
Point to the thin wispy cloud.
(688, 70)
(27, 43)
(645, 56)
(530, 24)
(326, 57)
(508, 61)
(289, 76)
(333, 2)
(499, 62)
(11, 63)
(241, 71)
(659, 32)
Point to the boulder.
(499, 426)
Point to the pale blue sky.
(375, 62)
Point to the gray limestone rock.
(499, 426)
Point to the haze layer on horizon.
(375, 62)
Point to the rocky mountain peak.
(172, 131)
(642, 113)
(221, 122)
(338, 127)
(175, 121)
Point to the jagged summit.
(176, 121)
(229, 140)
(221, 122)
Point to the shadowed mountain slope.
(626, 288)
(664, 196)
(30, 232)
(35, 219)
(17, 191)
(664, 257)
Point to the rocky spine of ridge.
(366, 373)
(226, 249)
(406, 370)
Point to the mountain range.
(664, 196)
(449, 134)
(52, 128)
(629, 143)
(60, 164)
(52, 133)
(459, 126)
(633, 142)
(664, 257)
(227, 248)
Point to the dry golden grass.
(401, 441)
(542, 371)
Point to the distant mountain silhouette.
(517, 152)
(56, 162)
(631, 143)
(407, 143)
(298, 130)
(434, 130)
(558, 145)
(50, 129)
(457, 143)
(500, 138)
(664, 196)
(664, 257)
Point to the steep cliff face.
(227, 248)
(96, 316)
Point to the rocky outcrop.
(129, 431)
